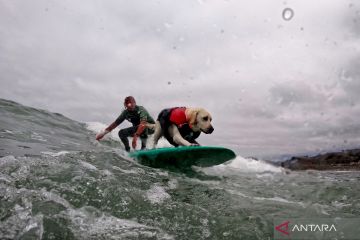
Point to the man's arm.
(143, 114)
(116, 123)
(141, 128)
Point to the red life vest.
(178, 116)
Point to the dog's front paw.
(194, 145)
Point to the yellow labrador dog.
(182, 125)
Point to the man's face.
(130, 106)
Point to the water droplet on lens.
(288, 14)
(167, 25)
(168, 82)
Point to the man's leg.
(124, 134)
(143, 142)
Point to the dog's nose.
(211, 129)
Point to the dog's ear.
(192, 114)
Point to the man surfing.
(140, 119)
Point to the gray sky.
(273, 86)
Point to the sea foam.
(242, 165)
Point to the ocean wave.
(56, 154)
(157, 194)
(242, 165)
(89, 223)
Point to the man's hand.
(101, 134)
(134, 141)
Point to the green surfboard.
(183, 157)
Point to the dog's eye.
(206, 118)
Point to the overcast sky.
(273, 85)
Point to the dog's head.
(200, 120)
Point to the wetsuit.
(176, 116)
(135, 117)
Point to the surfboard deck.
(183, 157)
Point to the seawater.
(57, 182)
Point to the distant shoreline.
(344, 160)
